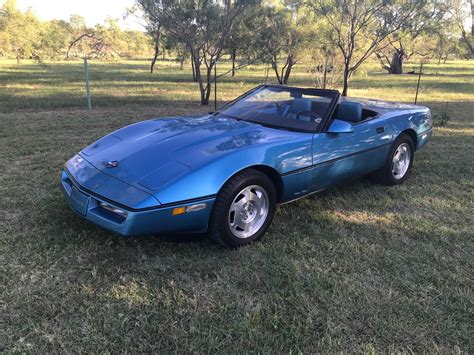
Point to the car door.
(343, 156)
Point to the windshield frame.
(334, 95)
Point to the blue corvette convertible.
(225, 172)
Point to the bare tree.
(360, 26)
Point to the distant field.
(358, 268)
(61, 85)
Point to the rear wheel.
(399, 162)
(243, 210)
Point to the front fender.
(207, 179)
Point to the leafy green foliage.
(341, 35)
(358, 28)
(23, 36)
(20, 32)
(279, 38)
(424, 31)
(203, 26)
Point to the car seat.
(349, 111)
(299, 105)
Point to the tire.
(234, 221)
(392, 174)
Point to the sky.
(94, 11)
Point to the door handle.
(380, 130)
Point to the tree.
(240, 40)
(152, 27)
(202, 25)
(416, 36)
(110, 40)
(359, 27)
(460, 12)
(445, 44)
(80, 36)
(53, 39)
(154, 30)
(326, 66)
(279, 39)
(137, 43)
(20, 34)
(104, 41)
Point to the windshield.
(284, 107)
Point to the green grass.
(358, 268)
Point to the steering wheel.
(313, 115)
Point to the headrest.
(300, 105)
(349, 111)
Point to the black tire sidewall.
(219, 222)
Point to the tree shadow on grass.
(11, 103)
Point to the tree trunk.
(194, 70)
(207, 89)
(279, 78)
(18, 60)
(346, 82)
(467, 41)
(181, 62)
(288, 72)
(396, 65)
(155, 57)
(325, 74)
(204, 90)
(472, 18)
(233, 56)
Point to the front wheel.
(399, 162)
(243, 210)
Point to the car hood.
(153, 153)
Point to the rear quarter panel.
(418, 121)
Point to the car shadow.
(176, 238)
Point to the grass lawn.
(357, 268)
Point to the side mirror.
(338, 126)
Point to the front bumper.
(147, 221)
